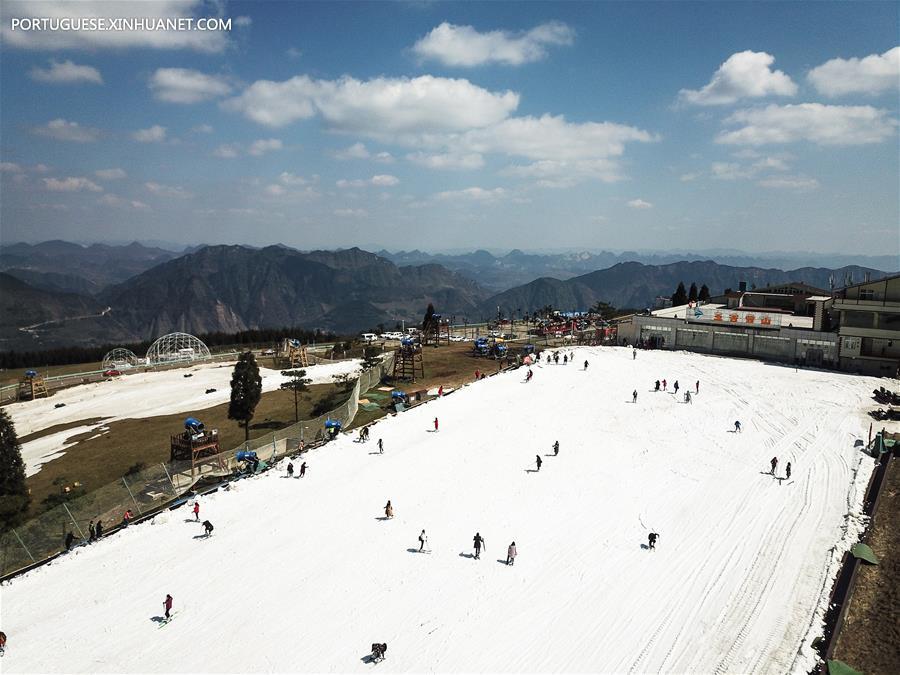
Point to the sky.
(431, 125)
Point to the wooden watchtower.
(408, 362)
(294, 352)
(31, 387)
(199, 448)
(437, 332)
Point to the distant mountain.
(500, 273)
(98, 265)
(636, 285)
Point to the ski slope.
(138, 396)
(302, 575)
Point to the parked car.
(112, 372)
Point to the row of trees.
(683, 297)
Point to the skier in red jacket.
(168, 605)
(435, 423)
(197, 511)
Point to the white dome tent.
(120, 359)
(176, 347)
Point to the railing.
(147, 491)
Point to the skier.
(70, 539)
(774, 463)
(529, 375)
(555, 448)
(197, 511)
(168, 605)
(126, 517)
(511, 554)
(91, 531)
(538, 459)
(435, 423)
(565, 360)
(207, 527)
(362, 435)
(676, 386)
(651, 540)
(787, 471)
(556, 358)
(479, 542)
(380, 447)
(422, 540)
(2, 642)
(99, 529)
(585, 365)
(477, 373)
(388, 510)
(687, 397)
(697, 387)
(737, 426)
(664, 385)
(290, 469)
(303, 470)
(440, 391)
(633, 354)
(634, 396)
(656, 388)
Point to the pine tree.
(246, 390)
(679, 297)
(371, 357)
(14, 497)
(703, 296)
(299, 384)
(692, 294)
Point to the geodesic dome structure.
(120, 359)
(176, 347)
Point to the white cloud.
(464, 46)
(773, 163)
(798, 183)
(745, 74)
(182, 85)
(872, 74)
(135, 204)
(61, 130)
(293, 53)
(209, 41)
(384, 158)
(730, 171)
(66, 72)
(351, 213)
(110, 174)
(40, 168)
(202, 129)
(379, 108)
(472, 194)
(10, 167)
(263, 146)
(275, 190)
(813, 122)
(243, 21)
(71, 184)
(294, 186)
(640, 204)
(291, 179)
(167, 190)
(355, 151)
(688, 177)
(226, 151)
(119, 202)
(381, 180)
(155, 134)
(566, 173)
(472, 160)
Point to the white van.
(368, 338)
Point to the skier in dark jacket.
(99, 529)
(555, 449)
(538, 461)
(774, 463)
(737, 426)
(207, 527)
(511, 554)
(290, 469)
(585, 365)
(303, 470)
(676, 386)
(787, 470)
(634, 396)
(651, 539)
(479, 542)
(70, 539)
(656, 388)
(380, 447)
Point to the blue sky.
(754, 126)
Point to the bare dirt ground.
(869, 640)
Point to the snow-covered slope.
(303, 575)
(138, 396)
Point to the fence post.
(174, 489)
(24, 546)
(74, 522)
(136, 505)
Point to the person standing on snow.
(651, 540)
(207, 527)
(633, 354)
(737, 426)
(697, 387)
(197, 511)
(168, 605)
(422, 540)
(70, 539)
(380, 447)
(687, 397)
(479, 542)
(303, 470)
(656, 388)
(634, 396)
(774, 463)
(585, 365)
(435, 423)
(99, 529)
(538, 461)
(555, 448)
(290, 469)
(664, 385)
(565, 360)
(388, 510)
(787, 471)
(676, 386)
(511, 554)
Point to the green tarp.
(836, 667)
(865, 553)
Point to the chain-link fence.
(147, 491)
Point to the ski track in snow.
(138, 396)
(304, 572)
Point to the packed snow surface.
(138, 396)
(304, 574)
